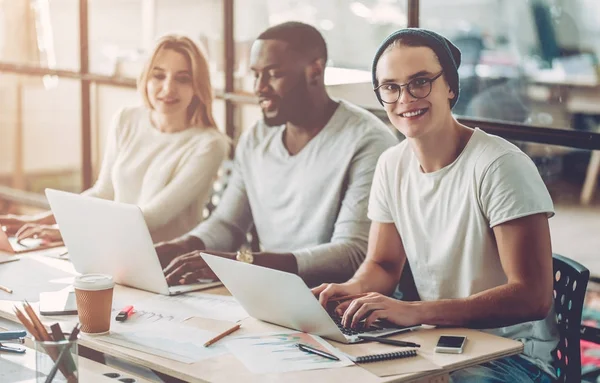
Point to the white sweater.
(168, 175)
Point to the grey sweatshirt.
(312, 204)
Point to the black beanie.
(447, 53)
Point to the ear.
(451, 94)
(315, 72)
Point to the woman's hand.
(11, 223)
(47, 233)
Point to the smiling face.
(415, 117)
(279, 82)
(169, 87)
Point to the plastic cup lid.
(93, 282)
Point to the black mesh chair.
(570, 283)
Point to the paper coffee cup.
(94, 293)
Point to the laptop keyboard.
(360, 329)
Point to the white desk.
(480, 348)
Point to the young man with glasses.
(467, 210)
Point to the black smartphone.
(450, 344)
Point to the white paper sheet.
(172, 341)
(278, 352)
(181, 307)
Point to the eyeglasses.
(419, 87)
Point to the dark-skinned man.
(302, 173)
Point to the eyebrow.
(178, 72)
(412, 76)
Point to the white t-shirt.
(445, 219)
(168, 175)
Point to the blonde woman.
(162, 156)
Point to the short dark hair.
(302, 38)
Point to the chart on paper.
(279, 352)
(161, 308)
(182, 307)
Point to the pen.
(223, 335)
(58, 336)
(7, 289)
(389, 341)
(124, 313)
(58, 361)
(312, 350)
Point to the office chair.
(570, 283)
(219, 187)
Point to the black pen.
(312, 350)
(389, 341)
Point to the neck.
(169, 123)
(298, 134)
(442, 147)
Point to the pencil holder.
(56, 361)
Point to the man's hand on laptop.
(375, 306)
(169, 250)
(188, 268)
(334, 292)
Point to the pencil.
(7, 289)
(347, 297)
(26, 323)
(44, 336)
(223, 335)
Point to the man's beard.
(293, 107)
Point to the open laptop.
(284, 299)
(109, 237)
(10, 244)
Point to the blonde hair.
(200, 109)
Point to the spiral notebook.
(382, 357)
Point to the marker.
(124, 313)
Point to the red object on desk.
(124, 313)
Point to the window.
(535, 64)
(352, 30)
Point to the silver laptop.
(112, 238)
(284, 299)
